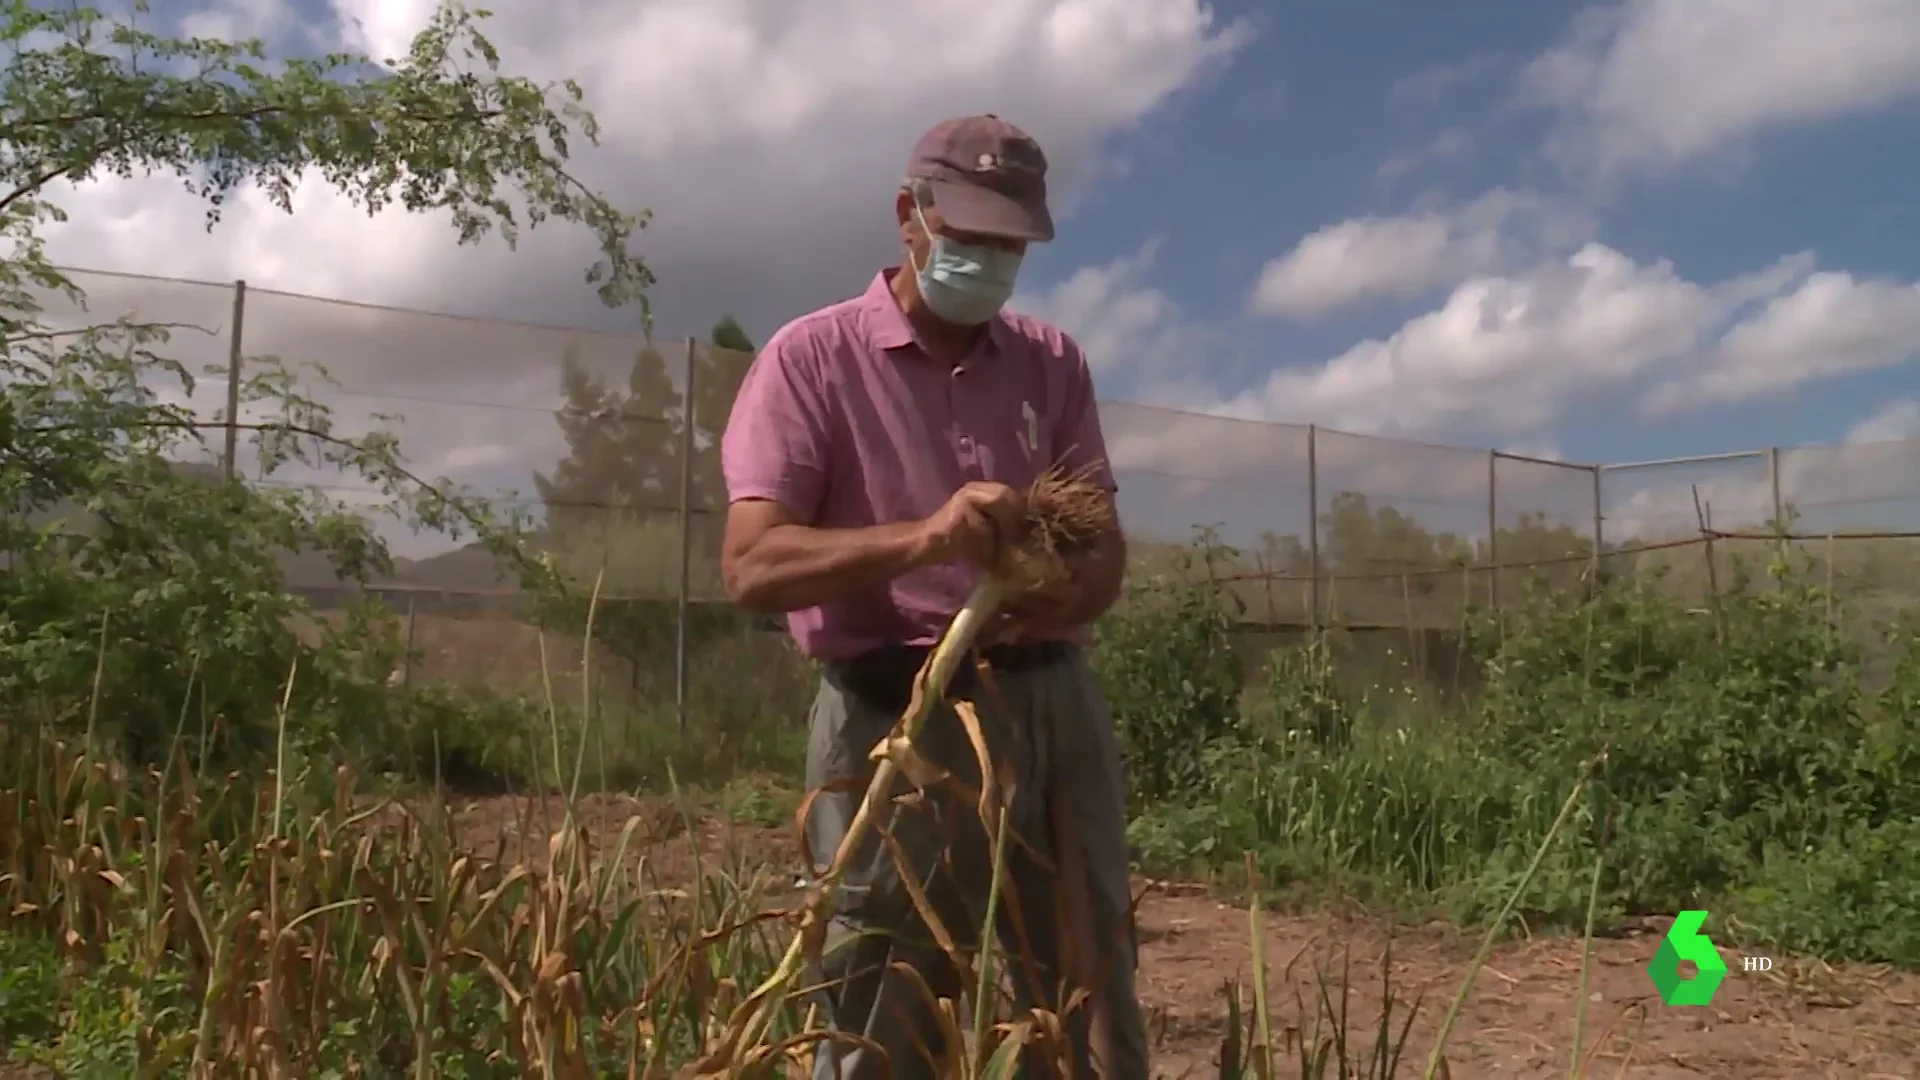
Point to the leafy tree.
(1537, 549)
(166, 602)
(612, 503)
(623, 448)
(718, 383)
(1285, 555)
(727, 334)
(1365, 540)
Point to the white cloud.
(1133, 334)
(1894, 420)
(1507, 355)
(767, 139)
(1649, 84)
(1428, 85)
(1179, 469)
(381, 29)
(1447, 145)
(1733, 495)
(1870, 481)
(1365, 258)
(238, 20)
(1833, 324)
(1109, 309)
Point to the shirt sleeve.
(1077, 432)
(775, 444)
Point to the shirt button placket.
(970, 458)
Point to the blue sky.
(1307, 125)
(1615, 231)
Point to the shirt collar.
(887, 325)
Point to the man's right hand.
(974, 523)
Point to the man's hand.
(974, 524)
(1039, 614)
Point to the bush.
(1742, 767)
(143, 598)
(1172, 678)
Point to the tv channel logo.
(1684, 941)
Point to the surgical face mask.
(965, 284)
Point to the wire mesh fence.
(1655, 515)
(606, 445)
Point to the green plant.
(1750, 768)
(109, 536)
(1172, 676)
(1852, 897)
(29, 990)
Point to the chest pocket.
(1005, 432)
(1034, 436)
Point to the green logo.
(1686, 942)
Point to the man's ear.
(903, 213)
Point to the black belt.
(882, 678)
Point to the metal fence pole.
(1313, 529)
(233, 378)
(687, 419)
(1773, 484)
(413, 602)
(1779, 509)
(1493, 529)
(1599, 529)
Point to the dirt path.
(1519, 1021)
(1803, 1021)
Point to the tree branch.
(53, 335)
(164, 116)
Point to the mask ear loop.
(921, 217)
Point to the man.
(875, 458)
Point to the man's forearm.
(792, 567)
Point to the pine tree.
(623, 459)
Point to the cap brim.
(973, 209)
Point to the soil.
(1804, 1019)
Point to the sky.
(1592, 233)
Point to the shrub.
(1744, 767)
(1172, 677)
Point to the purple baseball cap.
(987, 176)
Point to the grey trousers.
(1051, 726)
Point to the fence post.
(1493, 529)
(1599, 533)
(687, 419)
(233, 378)
(1773, 484)
(1779, 510)
(413, 603)
(1313, 529)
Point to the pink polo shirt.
(846, 422)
